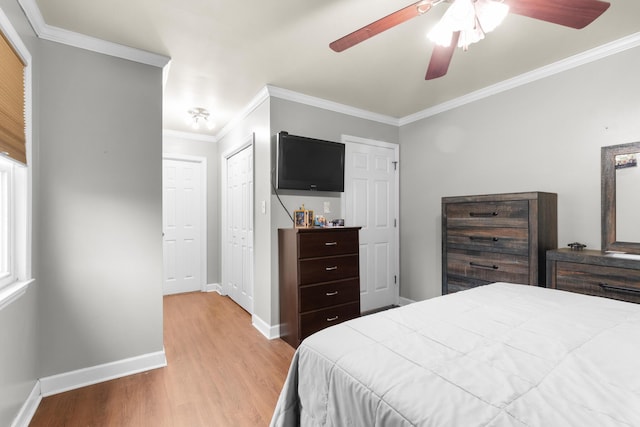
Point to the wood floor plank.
(221, 372)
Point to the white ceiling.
(224, 52)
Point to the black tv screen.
(309, 164)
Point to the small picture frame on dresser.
(300, 219)
(303, 218)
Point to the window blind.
(12, 122)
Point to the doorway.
(371, 201)
(184, 231)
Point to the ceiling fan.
(466, 22)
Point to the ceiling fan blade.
(382, 24)
(570, 13)
(441, 58)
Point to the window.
(8, 225)
(15, 143)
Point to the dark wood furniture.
(497, 238)
(596, 273)
(611, 240)
(319, 279)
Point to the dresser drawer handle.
(607, 287)
(330, 294)
(332, 319)
(492, 267)
(335, 267)
(493, 239)
(331, 244)
(483, 214)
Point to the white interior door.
(239, 232)
(371, 201)
(183, 217)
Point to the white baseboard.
(97, 374)
(405, 301)
(213, 287)
(271, 332)
(29, 407)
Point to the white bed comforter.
(497, 355)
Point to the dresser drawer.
(488, 266)
(488, 214)
(603, 281)
(328, 269)
(492, 239)
(457, 284)
(314, 297)
(327, 243)
(314, 321)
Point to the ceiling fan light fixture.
(490, 14)
(461, 15)
(473, 19)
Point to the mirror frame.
(608, 201)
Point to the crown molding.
(586, 57)
(59, 35)
(290, 95)
(257, 100)
(190, 136)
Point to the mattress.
(496, 355)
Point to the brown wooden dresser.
(319, 279)
(497, 238)
(595, 273)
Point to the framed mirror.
(621, 198)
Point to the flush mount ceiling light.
(199, 116)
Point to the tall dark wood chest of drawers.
(319, 272)
(598, 273)
(497, 238)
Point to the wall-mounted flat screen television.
(309, 164)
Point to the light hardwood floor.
(221, 372)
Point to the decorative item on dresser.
(319, 279)
(610, 275)
(499, 237)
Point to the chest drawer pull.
(332, 319)
(483, 214)
(607, 287)
(492, 267)
(331, 243)
(335, 267)
(493, 239)
(330, 294)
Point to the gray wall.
(97, 247)
(100, 209)
(265, 121)
(543, 136)
(19, 354)
(255, 124)
(181, 145)
(314, 122)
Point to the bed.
(496, 355)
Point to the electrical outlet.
(327, 207)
